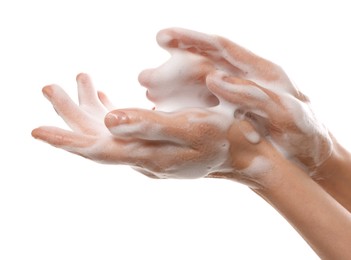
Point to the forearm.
(335, 175)
(320, 219)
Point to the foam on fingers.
(179, 83)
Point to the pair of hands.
(220, 111)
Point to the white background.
(54, 205)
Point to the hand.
(191, 143)
(90, 138)
(85, 119)
(284, 115)
(221, 54)
(180, 82)
(194, 143)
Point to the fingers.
(86, 92)
(240, 92)
(197, 43)
(220, 50)
(249, 63)
(105, 101)
(147, 79)
(61, 138)
(108, 150)
(144, 77)
(147, 125)
(88, 97)
(188, 40)
(65, 107)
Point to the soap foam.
(180, 83)
(259, 165)
(252, 137)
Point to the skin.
(334, 175)
(187, 137)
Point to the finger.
(186, 39)
(147, 80)
(252, 65)
(139, 154)
(86, 92)
(61, 138)
(66, 108)
(197, 43)
(242, 93)
(145, 77)
(105, 101)
(220, 50)
(147, 125)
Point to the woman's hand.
(187, 144)
(284, 120)
(222, 54)
(86, 121)
(180, 81)
(260, 90)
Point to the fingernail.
(48, 91)
(116, 118)
(82, 77)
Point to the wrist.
(268, 179)
(338, 161)
(334, 175)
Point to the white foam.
(253, 137)
(174, 85)
(259, 165)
